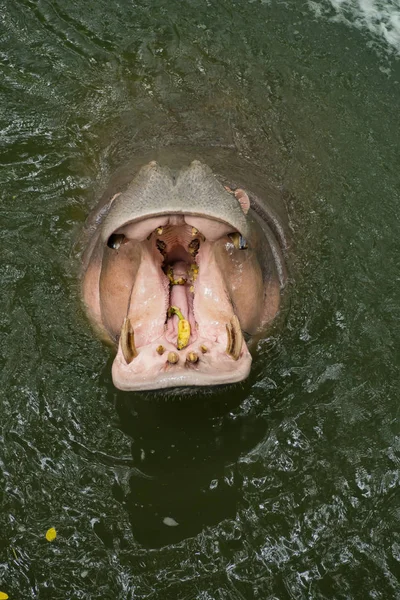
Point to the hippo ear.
(243, 199)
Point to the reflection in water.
(187, 448)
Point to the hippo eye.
(238, 241)
(115, 240)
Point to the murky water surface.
(286, 486)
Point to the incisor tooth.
(128, 341)
(235, 338)
(192, 357)
(160, 350)
(173, 358)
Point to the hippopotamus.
(183, 266)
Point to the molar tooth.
(160, 349)
(195, 232)
(235, 338)
(192, 357)
(194, 247)
(173, 358)
(161, 247)
(159, 230)
(128, 341)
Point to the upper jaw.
(157, 192)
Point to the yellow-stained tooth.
(173, 358)
(234, 338)
(195, 232)
(128, 341)
(193, 271)
(183, 327)
(194, 246)
(192, 357)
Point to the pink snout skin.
(151, 371)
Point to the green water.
(288, 486)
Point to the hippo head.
(178, 270)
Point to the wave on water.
(379, 17)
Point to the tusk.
(128, 341)
(235, 338)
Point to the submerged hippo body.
(183, 260)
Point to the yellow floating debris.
(183, 327)
(51, 534)
(183, 334)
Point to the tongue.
(182, 298)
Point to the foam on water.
(380, 18)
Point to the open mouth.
(179, 327)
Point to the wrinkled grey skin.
(193, 186)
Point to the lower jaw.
(151, 371)
(127, 379)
